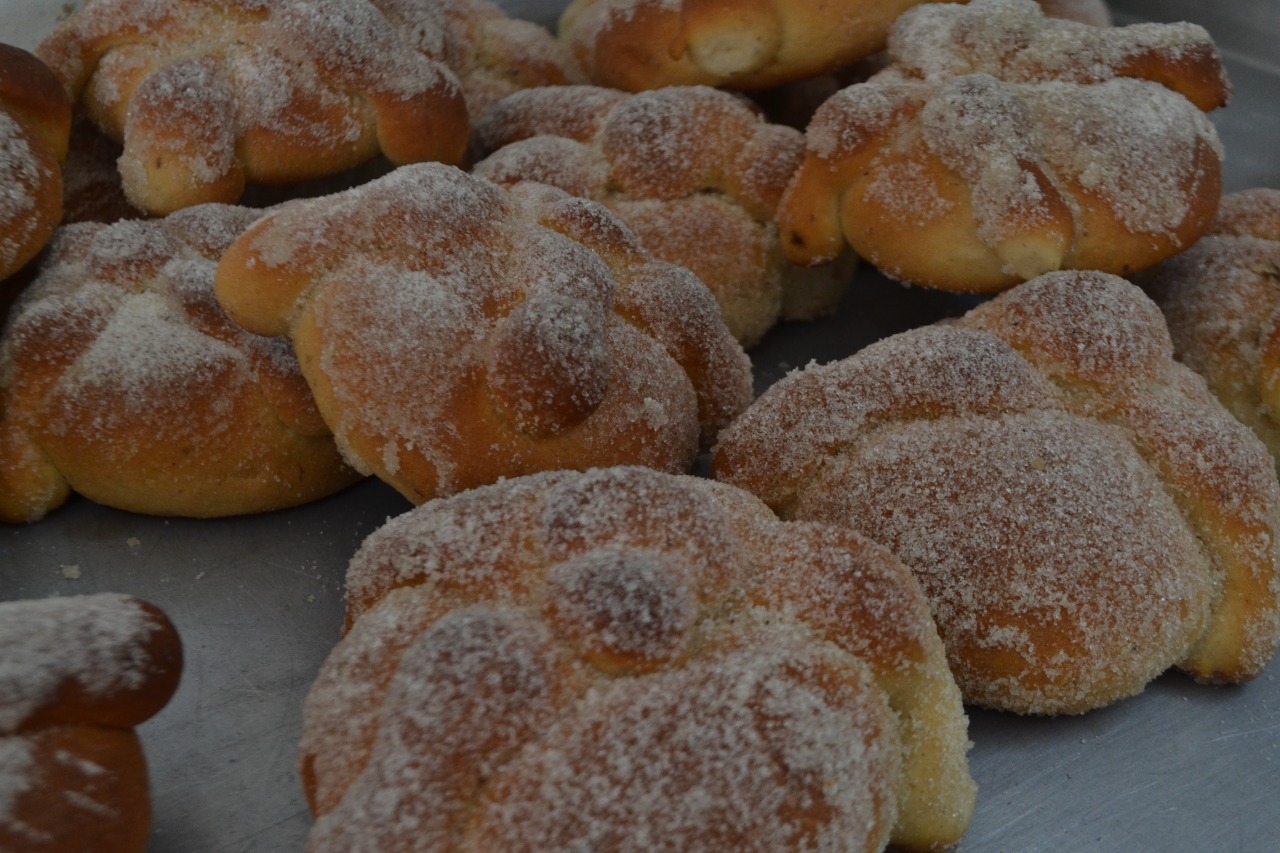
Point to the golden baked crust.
(564, 659)
(1221, 299)
(455, 333)
(206, 95)
(695, 172)
(35, 121)
(647, 44)
(1080, 510)
(80, 673)
(122, 379)
(1000, 144)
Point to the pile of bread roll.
(257, 250)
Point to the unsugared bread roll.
(628, 660)
(1000, 144)
(695, 172)
(1081, 511)
(206, 95)
(455, 333)
(77, 674)
(122, 379)
(1221, 299)
(35, 123)
(753, 44)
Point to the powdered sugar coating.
(16, 200)
(695, 172)
(555, 339)
(125, 313)
(1102, 497)
(682, 685)
(98, 641)
(277, 92)
(1221, 298)
(1014, 144)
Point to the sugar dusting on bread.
(93, 640)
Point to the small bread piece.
(629, 660)
(35, 122)
(1081, 511)
(206, 95)
(1000, 144)
(647, 44)
(1221, 299)
(78, 674)
(122, 378)
(695, 172)
(455, 333)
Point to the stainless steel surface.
(259, 602)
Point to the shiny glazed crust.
(122, 379)
(611, 607)
(455, 333)
(1081, 511)
(81, 672)
(695, 172)
(206, 96)
(35, 123)
(647, 44)
(1000, 144)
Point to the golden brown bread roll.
(629, 660)
(122, 379)
(647, 44)
(695, 172)
(206, 96)
(1000, 144)
(1082, 513)
(1222, 302)
(495, 55)
(35, 122)
(78, 674)
(455, 333)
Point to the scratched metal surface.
(259, 601)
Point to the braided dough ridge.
(697, 173)
(606, 597)
(1000, 144)
(122, 378)
(206, 96)
(551, 338)
(1008, 457)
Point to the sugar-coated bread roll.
(629, 660)
(1221, 299)
(495, 55)
(754, 44)
(122, 379)
(76, 675)
(1080, 510)
(455, 333)
(695, 172)
(1000, 144)
(206, 95)
(35, 122)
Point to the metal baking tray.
(259, 602)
